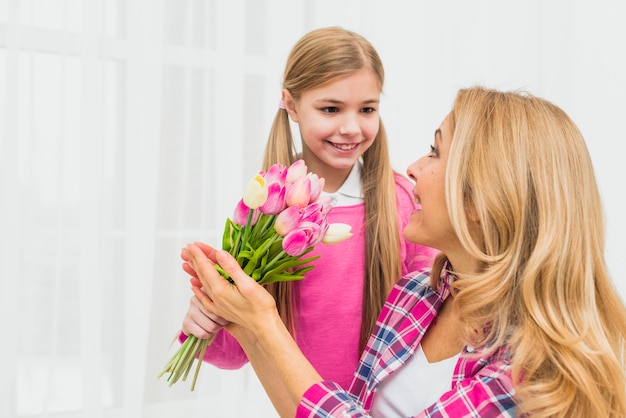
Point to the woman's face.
(338, 121)
(430, 225)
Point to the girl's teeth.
(345, 147)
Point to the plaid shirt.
(481, 385)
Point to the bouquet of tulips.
(280, 218)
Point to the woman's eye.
(368, 110)
(433, 151)
(330, 109)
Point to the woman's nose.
(413, 169)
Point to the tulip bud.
(325, 201)
(298, 192)
(242, 211)
(276, 173)
(313, 213)
(337, 232)
(287, 220)
(296, 170)
(317, 186)
(275, 199)
(300, 239)
(255, 193)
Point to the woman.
(519, 298)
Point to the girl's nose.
(349, 125)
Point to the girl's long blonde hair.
(321, 57)
(520, 166)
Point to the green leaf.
(281, 277)
(259, 254)
(291, 262)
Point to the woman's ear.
(290, 105)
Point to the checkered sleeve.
(328, 400)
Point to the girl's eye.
(330, 109)
(433, 151)
(368, 110)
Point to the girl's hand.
(200, 322)
(245, 305)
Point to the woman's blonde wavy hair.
(521, 168)
(320, 57)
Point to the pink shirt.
(331, 297)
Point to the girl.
(519, 316)
(331, 88)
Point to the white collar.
(351, 191)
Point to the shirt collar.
(351, 187)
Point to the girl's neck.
(333, 177)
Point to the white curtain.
(128, 128)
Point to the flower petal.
(298, 192)
(337, 232)
(242, 211)
(287, 220)
(275, 199)
(296, 170)
(296, 242)
(317, 186)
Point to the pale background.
(128, 128)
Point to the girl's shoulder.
(404, 186)
(404, 195)
(402, 181)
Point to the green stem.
(273, 261)
(246, 231)
(205, 344)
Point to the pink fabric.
(331, 297)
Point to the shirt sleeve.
(328, 400)
(224, 352)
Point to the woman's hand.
(198, 321)
(206, 249)
(254, 321)
(246, 304)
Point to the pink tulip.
(317, 186)
(240, 217)
(287, 220)
(324, 201)
(277, 173)
(298, 240)
(313, 213)
(298, 192)
(275, 199)
(296, 170)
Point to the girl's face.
(338, 122)
(430, 225)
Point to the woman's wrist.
(262, 331)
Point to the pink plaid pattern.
(481, 385)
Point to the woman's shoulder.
(411, 286)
